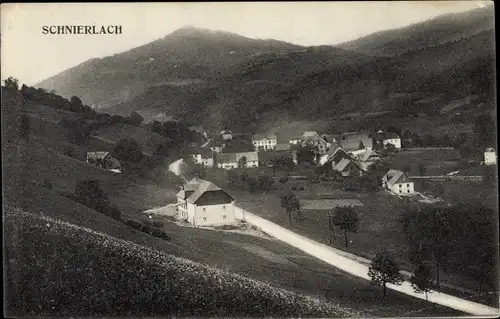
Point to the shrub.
(48, 184)
(11, 83)
(127, 150)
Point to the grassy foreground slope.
(94, 274)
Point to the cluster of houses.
(229, 151)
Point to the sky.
(31, 56)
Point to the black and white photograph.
(250, 159)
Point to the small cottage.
(490, 156)
(104, 160)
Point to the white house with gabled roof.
(203, 203)
(398, 183)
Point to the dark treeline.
(455, 239)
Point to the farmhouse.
(226, 135)
(295, 140)
(347, 167)
(367, 158)
(264, 142)
(216, 144)
(320, 144)
(355, 142)
(204, 157)
(203, 203)
(309, 134)
(104, 160)
(385, 138)
(490, 156)
(397, 182)
(235, 160)
(334, 155)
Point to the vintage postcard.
(250, 159)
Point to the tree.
(290, 203)
(89, 193)
(347, 220)
(407, 168)
(383, 270)
(484, 131)
(77, 130)
(421, 168)
(421, 280)
(136, 119)
(11, 83)
(127, 150)
(242, 162)
(24, 127)
(306, 154)
(265, 183)
(76, 104)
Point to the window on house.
(407, 185)
(223, 216)
(204, 218)
(400, 185)
(408, 191)
(224, 207)
(204, 209)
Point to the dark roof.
(265, 136)
(205, 152)
(350, 141)
(198, 187)
(385, 136)
(226, 158)
(239, 145)
(97, 155)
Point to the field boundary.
(333, 257)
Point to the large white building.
(398, 183)
(490, 156)
(203, 203)
(264, 142)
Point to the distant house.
(310, 134)
(164, 118)
(295, 140)
(104, 160)
(398, 182)
(334, 155)
(347, 167)
(367, 158)
(264, 141)
(355, 142)
(226, 135)
(215, 144)
(320, 144)
(204, 157)
(203, 203)
(385, 138)
(176, 167)
(490, 156)
(233, 160)
(198, 129)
